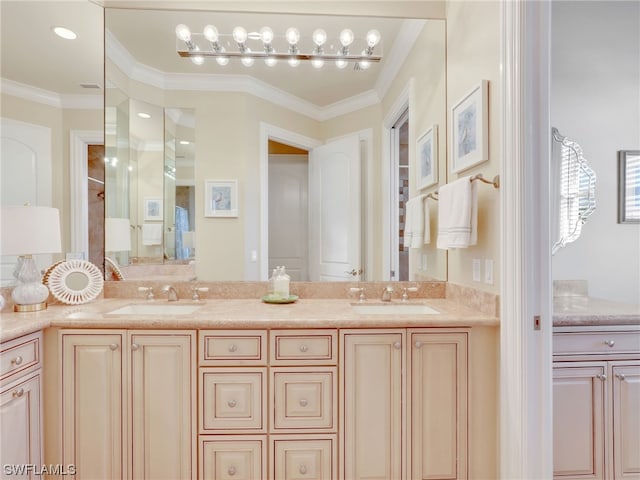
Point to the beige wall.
(473, 54)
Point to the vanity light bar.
(271, 48)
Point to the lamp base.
(35, 307)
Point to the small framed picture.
(153, 209)
(221, 198)
(629, 186)
(427, 158)
(470, 129)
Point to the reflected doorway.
(399, 196)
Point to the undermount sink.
(393, 309)
(155, 309)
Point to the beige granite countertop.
(587, 311)
(241, 313)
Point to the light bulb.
(197, 60)
(319, 37)
(239, 35)
(211, 33)
(317, 63)
(364, 64)
(346, 37)
(292, 35)
(266, 34)
(270, 61)
(341, 64)
(294, 62)
(373, 37)
(222, 61)
(183, 32)
(247, 61)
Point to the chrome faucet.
(172, 294)
(386, 293)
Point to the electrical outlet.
(488, 271)
(476, 270)
(424, 262)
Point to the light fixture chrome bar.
(282, 56)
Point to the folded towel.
(416, 230)
(458, 214)
(152, 234)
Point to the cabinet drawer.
(596, 343)
(308, 457)
(303, 347)
(242, 457)
(233, 400)
(304, 398)
(233, 347)
(20, 354)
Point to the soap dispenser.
(281, 283)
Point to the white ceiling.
(37, 57)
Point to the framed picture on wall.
(427, 158)
(629, 186)
(470, 129)
(221, 198)
(153, 209)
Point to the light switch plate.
(488, 271)
(476, 269)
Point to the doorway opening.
(399, 196)
(95, 202)
(288, 172)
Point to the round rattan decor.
(60, 284)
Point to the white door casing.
(334, 210)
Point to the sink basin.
(155, 309)
(393, 309)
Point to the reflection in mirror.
(239, 109)
(574, 184)
(77, 281)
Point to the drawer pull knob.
(304, 348)
(620, 376)
(602, 377)
(17, 360)
(135, 346)
(397, 345)
(113, 346)
(418, 344)
(303, 469)
(231, 471)
(18, 393)
(233, 347)
(610, 343)
(303, 402)
(232, 403)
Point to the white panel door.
(25, 176)
(334, 210)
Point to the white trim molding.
(526, 421)
(79, 140)
(53, 99)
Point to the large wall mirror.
(319, 159)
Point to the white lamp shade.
(117, 235)
(28, 230)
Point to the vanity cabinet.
(20, 403)
(404, 392)
(128, 403)
(596, 395)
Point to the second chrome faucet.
(171, 292)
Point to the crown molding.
(53, 99)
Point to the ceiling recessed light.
(144, 115)
(64, 33)
(184, 142)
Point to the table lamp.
(28, 231)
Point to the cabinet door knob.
(303, 469)
(233, 347)
(610, 343)
(304, 348)
(135, 346)
(18, 393)
(303, 402)
(397, 345)
(17, 360)
(620, 376)
(113, 346)
(418, 344)
(232, 403)
(231, 471)
(602, 376)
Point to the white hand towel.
(152, 234)
(426, 221)
(414, 230)
(458, 214)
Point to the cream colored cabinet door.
(579, 402)
(372, 373)
(438, 407)
(21, 425)
(162, 404)
(93, 428)
(626, 421)
(233, 457)
(298, 457)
